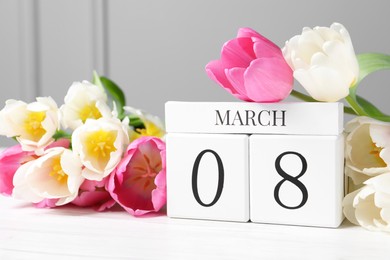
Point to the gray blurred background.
(156, 50)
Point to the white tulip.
(54, 175)
(100, 144)
(32, 124)
(367, 148)
(370, 205)
(84, 101)
(323, 61)
(153, 124)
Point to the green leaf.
(112, 89)
(372, 110)
(368, 63)
(61, 134)
(371, 62)
(115, 92)
(96, 80)
(136, 122)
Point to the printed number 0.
(293, 180)
(195, 178)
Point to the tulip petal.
(138, 184)
(216, 72)
(236, 78)
(22, 190)
(268, 80)
(328, 34)
(322, 83)
(266, 49)
(348, 207)
(381, 137)
(343, 59)
(237, 53)
(360, 155)
(367, 213)
(247, 32)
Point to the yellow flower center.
(56, 171)
(375, 151)
(150, 130)
(100, 144)
(33, 125)
(89, 111)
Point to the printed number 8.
(293, 180)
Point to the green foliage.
(368, 63)
(113, 90)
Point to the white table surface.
(75, 233)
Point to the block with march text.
(297, 179)
(208, 176)
(276, 163)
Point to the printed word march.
(250, 117)
(268, 163)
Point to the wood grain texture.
(73, 233)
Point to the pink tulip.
(46, 203)
(139, 183)
(252, 68)
(94, 194)
(10, 160)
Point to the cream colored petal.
(357, 176)
(91, 175)
(70, 163)
(366, 211)
(380, 183)
(22, 188)
(380, 135)
(327, 34)
(348, 207)
(322, 83)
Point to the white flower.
(367, 148)
(54, 175)
(153, 124)
(100, 144)
(32, 124)
(83, 101)
(370, 205)
(323, 61)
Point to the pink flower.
(139, 183)
(94, 194)
(46, 203)
(11, 159)
(252, 68)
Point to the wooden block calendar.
(276, 163)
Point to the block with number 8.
(296, 179)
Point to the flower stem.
(355, 106)
(302, 96)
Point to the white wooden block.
(296, 180)
(305, 118)
(208, 177)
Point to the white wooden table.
(74, 233)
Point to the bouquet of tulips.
(323, 61)
(92, 151)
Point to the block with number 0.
(208, 176)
